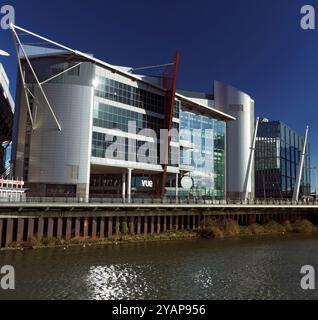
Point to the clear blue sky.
(255, 45)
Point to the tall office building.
(277, 158)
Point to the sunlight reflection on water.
(117, 282)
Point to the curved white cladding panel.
(239, 137)
(62, 157)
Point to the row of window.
(120, 92)
(110, 117)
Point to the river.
(262, 268)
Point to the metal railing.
(117, 200)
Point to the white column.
(316, 183)
(124, 187)
(129, 185)
(250, 164)
(177, 187)
(300, 168)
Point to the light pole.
(316, 178)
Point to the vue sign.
(147, 183)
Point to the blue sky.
(255, 45)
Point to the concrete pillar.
(50, 227)
(117, 226)
(68, 235)
(158, 224)
(204, 222)
(110, 227)
(177, 188)
(86, 223)
(9, 234)
(132, 225)
(30, 229)
(171, 223)
(124, 187)
(254, 218)
(59, 229)
(77, 227)
(152, 225)
(146, 225)
(129, 185)
(1, 227)
(94, 228)
(188, 222)
(182, 223)
(20, 230)
(165, 224)
(177, 223)
(194, 222)
(139, 225)
(102, 228)
(40, 228)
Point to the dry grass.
(274, 227)
(256, 229)
(304, 226)
(215, 229)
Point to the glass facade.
(101, 148)
(111, 117)
(277, 157)
(7, 156)
(206, 155)
(207, 136)
(123, 93)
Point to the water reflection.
(117, 282)
(199, 269)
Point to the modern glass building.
(103, 136)
(277, 157)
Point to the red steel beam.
(170, 77)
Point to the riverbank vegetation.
(213, 229)
(216, 229)
(125, 237)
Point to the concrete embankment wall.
(19, 228)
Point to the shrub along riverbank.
(214, 229)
